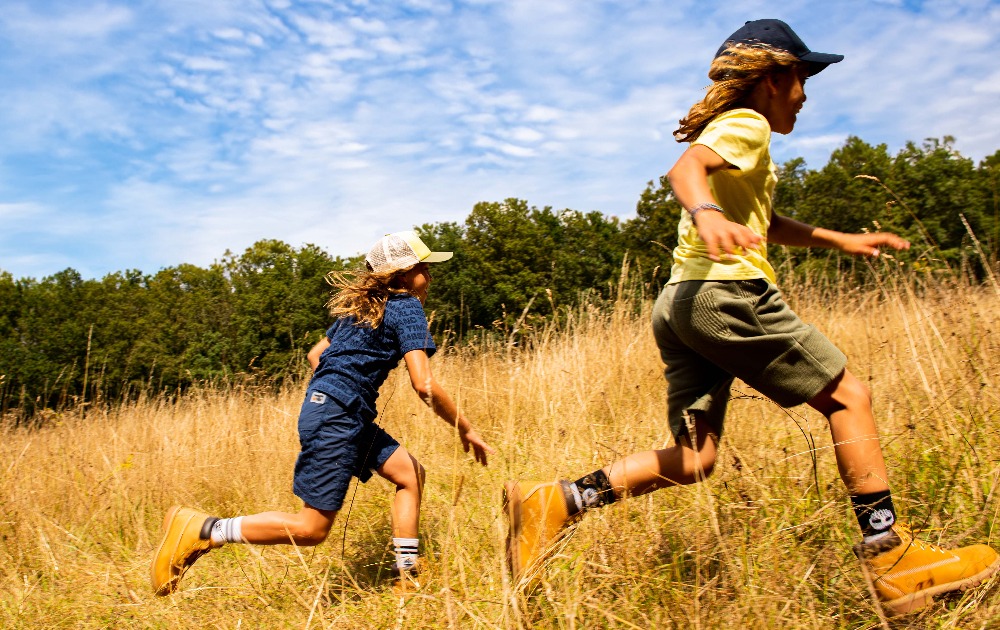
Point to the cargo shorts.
(710, 332)
(336, 445)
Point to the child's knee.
(845, 392)
(410, 476)
(419, 475)
(308, 530)
(699, 464)
(311, 534)
(852, 392)
(706, 463)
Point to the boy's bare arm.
(429, 391)
(316, 351)
(689, 181)
(786, 231)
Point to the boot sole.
(512, 506)
(405, 586)
(167, 587)
(916, 601)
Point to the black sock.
(875, 513)
(592, 491)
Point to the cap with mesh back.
(401, 250)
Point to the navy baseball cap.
(779, 35)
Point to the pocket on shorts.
(696, 316)
(318, 410)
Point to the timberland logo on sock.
(881, 519)
(589, 497)
(318, 397)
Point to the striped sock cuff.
(406, 552)
(228, 530)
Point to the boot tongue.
(891, 540)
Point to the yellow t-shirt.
(741, 137)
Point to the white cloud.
(204, 64)
(67, 28)
(12, 212)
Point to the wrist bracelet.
(704, 206)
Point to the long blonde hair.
(363, 294)
(734, 74)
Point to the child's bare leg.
(681, 464)
(407, 474)
(847, 404)
(306, 528)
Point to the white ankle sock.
(879, 536)
(406, 552)
(228, 530)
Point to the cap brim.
(818, 61)
(437, 257)
(817, 57)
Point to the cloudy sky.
(145, 134)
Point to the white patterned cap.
(400, 250)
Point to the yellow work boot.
(186, 537)
(537, 514)
(406, 582)
(907, 572)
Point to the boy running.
(380, 320)
(721, 316)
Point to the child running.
(380, 320)
(721, 316)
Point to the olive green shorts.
(709, 332)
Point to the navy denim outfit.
(337, 432)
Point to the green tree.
(834, 197)
(937, 187)
(587, 255)
(453, 286)
(651, 235)
(278, 304)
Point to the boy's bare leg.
(306, 528)
(403, 470)
(847, 404)
(681, 464)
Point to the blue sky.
(142, 135)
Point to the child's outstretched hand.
(480, 449)
(869, 244)
(724, 236)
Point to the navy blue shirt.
(359, 359)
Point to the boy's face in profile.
(417, 280)
(787, 94)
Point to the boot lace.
(911, 541)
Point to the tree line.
(68, 340)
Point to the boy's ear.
(770, 84)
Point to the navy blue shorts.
(336, 445)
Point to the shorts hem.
(320, 505)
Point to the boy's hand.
(480, 449)
(719, 233)
(868, 244)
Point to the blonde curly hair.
(363, 294)
(734, 74)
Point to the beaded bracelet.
(704, 206)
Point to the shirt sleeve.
(740, 137)
(406, 316)
(332, 330)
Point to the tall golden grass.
(766, 542)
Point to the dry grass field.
(765, 543)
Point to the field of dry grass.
(765, 543)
